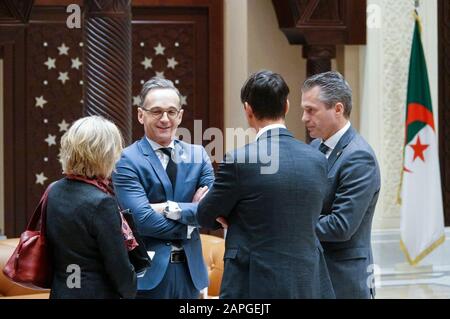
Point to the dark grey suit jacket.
(84, 229)
(272, 250)
(344, 226)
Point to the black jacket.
(84, 233)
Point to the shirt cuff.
(174, 211)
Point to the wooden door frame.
(12, 42)
(444, 101)
(13, 51)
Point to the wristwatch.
(172, 211)
(166, 209)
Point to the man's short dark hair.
(333, 89)
(157, 83)
(267, 93)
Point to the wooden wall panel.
(183, 61)
(53, 99)
(46, 93)
(444, 102)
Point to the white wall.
(253, 41)
(429, 14)
(384, 66)
(348, 64)
(236, 63)
(269, 49)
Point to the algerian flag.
(422, 214)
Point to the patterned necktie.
(323, 148)
(171, 168)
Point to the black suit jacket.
(271, 192)
(84, 230)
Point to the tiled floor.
(414, 292)
(434, 285)
(396, 279)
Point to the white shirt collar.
(333, 140)
(155, 146)
(268, 128)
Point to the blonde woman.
(89, 256)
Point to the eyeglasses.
(157, 113)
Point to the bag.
(137, 254)
(30, 265)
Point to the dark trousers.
(176, 284)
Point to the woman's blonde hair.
(91, 147)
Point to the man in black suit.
(270, 193)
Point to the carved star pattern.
(137, 100)
(183, 100)
(50, 63)
(63, 49)
(63, 126)
(50, 140)
(76, 63)
(147, 63)
(40, 178)
(159, 49)
(40, 101)
(171, 63)
(63, 77)
(160, 74)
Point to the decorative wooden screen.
(44, 84)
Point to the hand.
(222, 221)
(159, 207)
(174, 212)
(200, 193)
(205, 193)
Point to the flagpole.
(417, 17)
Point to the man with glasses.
(161, 179)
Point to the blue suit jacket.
(272, 250)
(344, 227)
(140, 179)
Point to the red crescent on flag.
(407, 170)
(419, 113)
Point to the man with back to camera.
(271, 207)
(161, 179)
(344, 227)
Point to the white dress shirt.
(164, 159)
(268, 128)
(333, 140)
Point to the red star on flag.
(419, 148)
